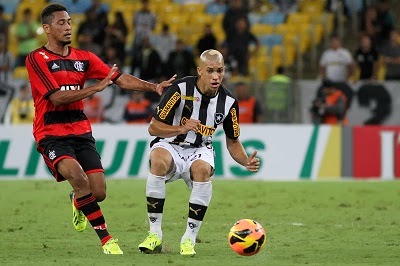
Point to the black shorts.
(82, 149)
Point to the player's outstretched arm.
(65, 97)
(236, 150)
(130, 82)
(162, 130)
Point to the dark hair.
(47, 13)
(280, 70)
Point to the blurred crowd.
(155, 55)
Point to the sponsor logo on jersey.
(206, 130)
(236, 129)
(202, 129)
(70, 87)
(168, 106)
(44, 55)
(219, 117)
(191, 98)
(189, 108)
(55, 66)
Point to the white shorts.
(184, 156)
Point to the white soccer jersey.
(183, 101)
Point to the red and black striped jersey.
(50, 72)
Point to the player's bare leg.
(161, 163)
(85, 201)
(97, 184)
(199, 200)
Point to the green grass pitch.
(313, 223)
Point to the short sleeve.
(99, 70)
(169, 101)
(39, 74)
(231, 122)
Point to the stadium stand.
(6, 95)
(273, 18)
(286, 39)
(187, 21)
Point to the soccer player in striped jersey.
(63, 133)
(184, 122)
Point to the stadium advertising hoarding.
(287, 152)
(376, 152)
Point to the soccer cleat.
(152, 244)
(78, 218)
(111, 247)
(187, 248)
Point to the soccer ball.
(247, 237)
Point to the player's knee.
(99, 195)
(79, 181)
(201, 172)
(72, 171)
(160, 167)
(161, 162)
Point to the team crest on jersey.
(78, 65)
(218, 118)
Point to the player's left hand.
(107, 80)
(166, 83)
(253, 163)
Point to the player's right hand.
(165, 84)
(191, 125)
(108, 80)
(252, 162)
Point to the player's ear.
(46, 28)
(199, 71)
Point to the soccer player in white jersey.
(183, 123)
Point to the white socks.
(199, 200)
(155, 192)
(198, 203)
